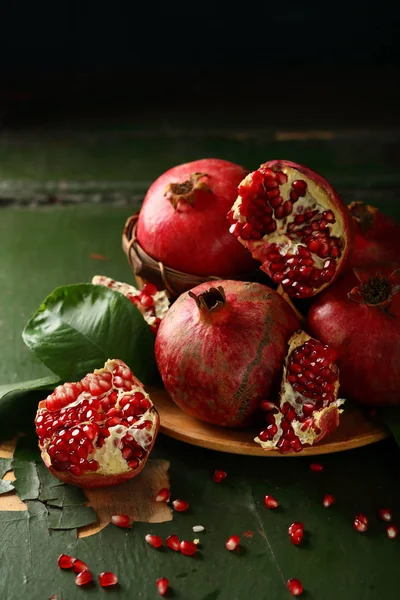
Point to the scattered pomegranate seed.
(162, 585)
(316, 467)
(219, 476)
(173, 542)
(163, 495)
(328, 500)
(233, 542)
(79, 566)
(296, 533)
(188, 548)
(153, 540)
(107, 579)
(270, 502)
(83, 577)
(180, 505)
(385, 514)
(392, 532)
(294, 527)
(360, 523)
(65, 561)
(121, 520)
(295, 587)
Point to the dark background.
(283, 59)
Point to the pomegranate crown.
(185, 191)
(210, 300)
(376, 290)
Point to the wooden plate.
(355, 430)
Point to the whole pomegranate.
(293, 221)
(377, 236)
(220, 349)
(309, 406)
(359, 316)
(152, 303)
(99, 431)
(182, 221)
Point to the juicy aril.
(182, 222)
(152, 303)
(220, 349)
(377, 236)
(359, 316)
(98, 431)
(293, 221)
(309, 407)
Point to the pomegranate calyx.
(211, 300)
(375, 290)
(185, 191)
(363, 214)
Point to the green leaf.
(79, 327)
(5, 466)
(391, 418)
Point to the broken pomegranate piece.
(99, 431)
(293, 221)
(309, 408)
(152, 303)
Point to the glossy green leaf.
(79, 327)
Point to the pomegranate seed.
(295, 587)
(328, 500)
(162, 585)
(392, 532)
(163, 495)
(360, 523)
(218, 476)
(121, 520)
(79, 566)
(107, 579)
(233, 542)
(173, 542)
(180, 505)
(188, 548)
(295, 527)
(297, 537)
(65, 561)
(270, 502)
(83, 577)
(198, 528)
(316, 467)
(385, 515)
(153, 540)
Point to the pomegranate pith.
(162, 585)
(108, 579)
(98, 431)
(293, 221)
(220, 349)
(309, 407)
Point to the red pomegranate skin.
(195, 238)
(378, 243)
(217, 366)
(366, 338)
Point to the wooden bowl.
(145, 268)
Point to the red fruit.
(360, 523)
(180, 505)
(83, 578)
(121, 521)
(162, 585)
(392, 532)
(296, 537)
(219, 476)
(377, 236)
(220, 349)
(65, 561)
(309, 406)
(328, 500)
(188, 548)
(385, 514)
(78, 566)
(84, 432)
(295, 224)
(359, 316)
(295, 587)
(183, 223)
(107, 579)
(163, 495)
(270, 502)
(153, 540)
(152, 303)
(173, 542)
(316, 467)
(232, 542)
(295, 527)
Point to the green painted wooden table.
(66, 195)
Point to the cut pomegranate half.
(309, 406)
(99, 431)
(152, 303)
(293, 221)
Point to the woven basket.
(145, 268)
